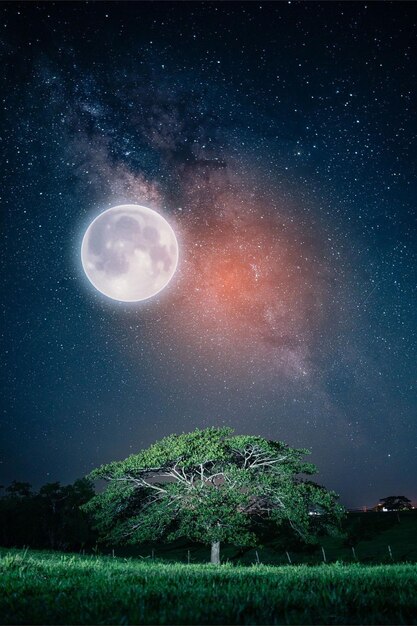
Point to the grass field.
(55, 588)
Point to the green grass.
(55, 588)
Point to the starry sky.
(279, 140)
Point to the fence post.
(153, 554)
(354, 554)
(324, 554)
(188, 557)
(113, 552)
(288, 557)
(257, 557)
(390, 553)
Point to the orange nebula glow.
(249, 287)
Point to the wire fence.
(355, 554)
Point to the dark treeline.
(49, 518)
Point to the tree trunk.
(215, 553)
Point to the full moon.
(129, 253)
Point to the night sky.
(279, 140)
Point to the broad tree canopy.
(207, 486)
(395, 503)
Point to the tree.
(19, 490)
(208, 486)
(64, 524)
(49, 518)
(17, 512)
(395, 503)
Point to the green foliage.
(53, 588)
(209, 486)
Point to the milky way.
(253, 278)
(250, 286)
